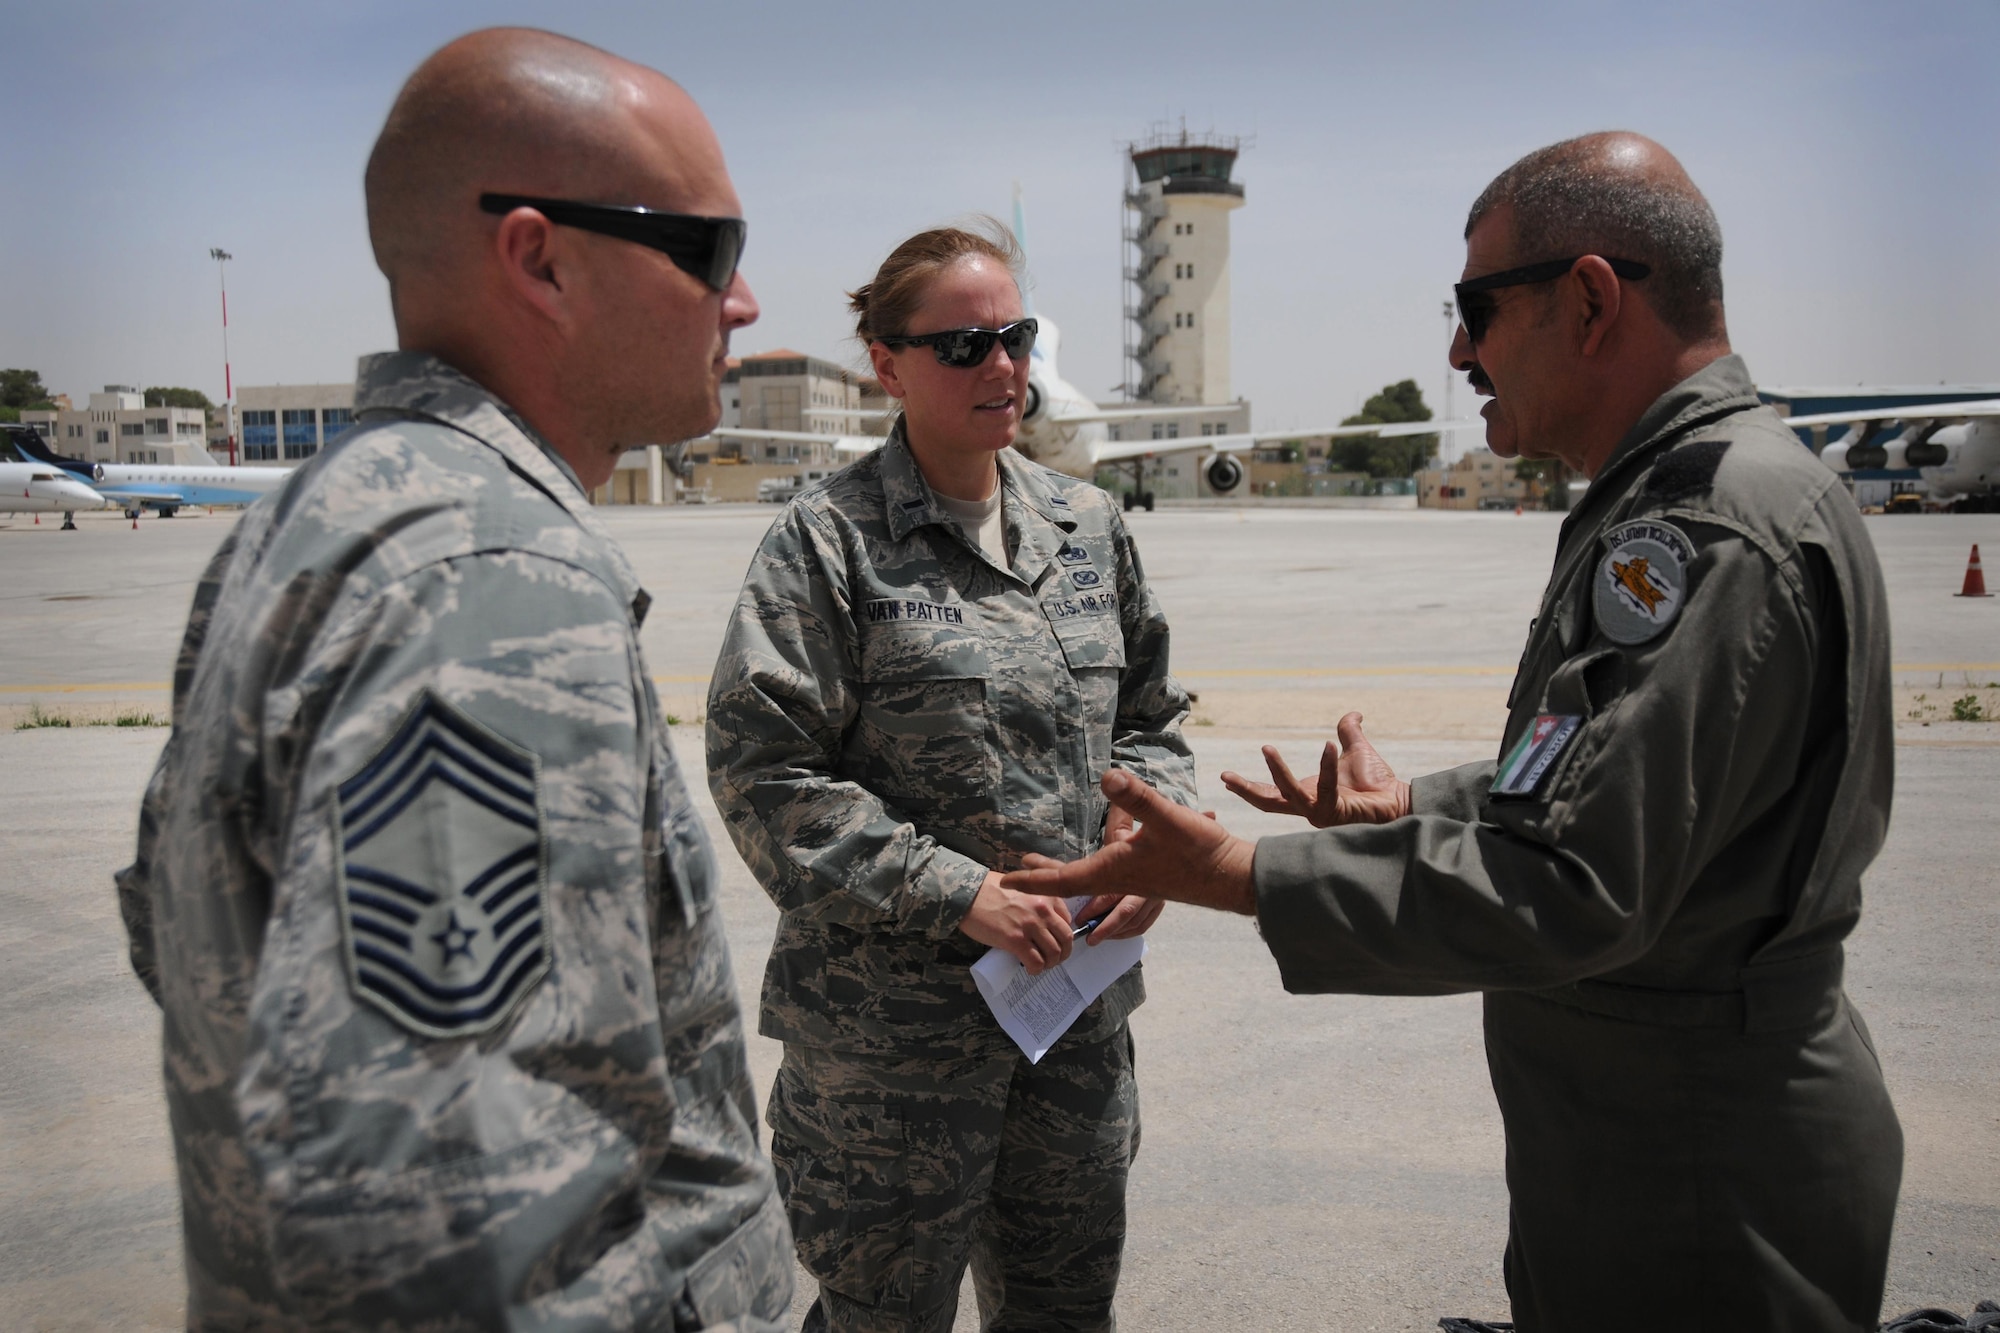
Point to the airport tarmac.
(1308, 1162)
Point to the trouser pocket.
(843, 1171)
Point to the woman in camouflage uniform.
(936, 654)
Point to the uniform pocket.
(749, 1274)
(921, 732)
(844, 1174)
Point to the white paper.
(1036, 1011)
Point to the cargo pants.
(898, 1172)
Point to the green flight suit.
(894, 713)
(451, 1040)
(1652, 885)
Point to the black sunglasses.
(1475, 307)
(707, 248)
(963, 348)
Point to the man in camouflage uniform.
(896, 712)
(451, 1039)
(1653, 881)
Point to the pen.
(1086, 927)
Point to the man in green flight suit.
(1652, 881)
(451, 1039)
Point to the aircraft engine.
(97, 472)
(1224, 474)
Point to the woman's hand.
(1123, 916)
(1031, 928)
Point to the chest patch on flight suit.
(884, 610)
(1522, 771)
(441, 889)
(1641, 581)
(1686, 470)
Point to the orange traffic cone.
(1975, 578)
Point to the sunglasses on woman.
(706, 248)
(962, 349)
(1475, 302)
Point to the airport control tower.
(1178, 197)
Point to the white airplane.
(1063, 429)
(162, 487)
(1955, 447)
(42, 488)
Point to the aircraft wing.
(1983, 407)
(140, 493)
(842, 444)
(1115, 451)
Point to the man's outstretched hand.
(1176, 854)
(1354, 785)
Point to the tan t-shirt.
(982, 522)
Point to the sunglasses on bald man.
(962, 349)
(1476, 306)
(706, 248)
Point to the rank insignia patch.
(1522, 771)
(441, 890)
(1642, 580)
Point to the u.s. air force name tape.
(1642, 580)
(1535, 754)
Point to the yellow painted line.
(87, 689)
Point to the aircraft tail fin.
(28, 442)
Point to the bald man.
(1652, 880)
(451, 1039)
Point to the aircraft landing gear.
(69, 522)
(1139, 500)
(132, 514)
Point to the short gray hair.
(1571, 199)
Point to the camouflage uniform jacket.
(450, 1034)
(1696, 768)
(894, 713)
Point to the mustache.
(1476, 377)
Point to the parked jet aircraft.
(41, 488)
(1955, 447)
(1063, 429)
(162, 487)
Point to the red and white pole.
(221, 258)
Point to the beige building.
(118, 427)
(1478, 480)
(1178, 198)
(282, 425)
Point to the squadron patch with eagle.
(1641, 582)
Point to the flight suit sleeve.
(1151, 703)
(135, 882)
(455, 1092)
(1454, 793)
(1685, 740)
(780, 705)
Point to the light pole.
(221, 258)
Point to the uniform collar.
(1719, 389)
(1026, 492)
(418, 385)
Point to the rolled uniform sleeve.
(1686, 741)
(429, 1159)
(826, 849)
(1151, 703)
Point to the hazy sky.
(1852, 152)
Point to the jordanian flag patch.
(1535, 754)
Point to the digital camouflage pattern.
(1694, 1110)
(413, 673)
(898, 1172)
(894, 713)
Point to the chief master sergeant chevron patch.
(441, 890)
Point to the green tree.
(23, 388)
(164, 397)
(1399, 457)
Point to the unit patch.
(1522, 771)
(441, 890)
(1085, 578)
(885, 609)
(1642, 580)
(1073, 555)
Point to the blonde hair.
(882, 307)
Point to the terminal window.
(104, 437)
(301, 432)
(260, 437)
(157, 426)
(131, 429)
(333, 420)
